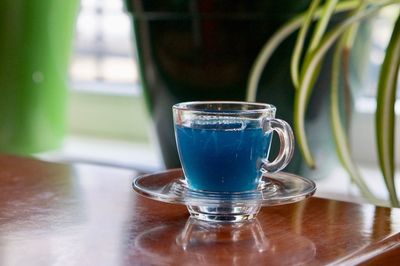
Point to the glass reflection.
(202, 243)
(199, 233)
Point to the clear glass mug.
(224, 146)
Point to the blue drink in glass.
(223, 155)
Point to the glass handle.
(286, 139)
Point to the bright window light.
(103, 47)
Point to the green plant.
(305, 68)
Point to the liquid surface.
(222, 156)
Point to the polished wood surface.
(55, 214)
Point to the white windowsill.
(116, 153)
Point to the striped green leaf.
(274, 42)
(298, 48)
(308, 76)
(322, 24)
(338, 128)
(385, 113)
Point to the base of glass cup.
(224, 213)
(275, 189)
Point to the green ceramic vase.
(35, 47)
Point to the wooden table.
(55, 214)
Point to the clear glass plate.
(275, 189)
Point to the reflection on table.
(82, 214)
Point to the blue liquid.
(222, 157)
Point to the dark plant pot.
(204, 50)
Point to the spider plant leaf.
(385, 113)
(320, 29)
(339, 133)
(298, 48)
(308, 75)
(266, 53)
(287, 29)
(272, 44)
(348, 40)
(322, 24)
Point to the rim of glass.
(258, 107)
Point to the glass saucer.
(275, 189)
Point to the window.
(381, 28)
(108, 123)
(103, 49)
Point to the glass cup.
(224, 146)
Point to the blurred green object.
(35, 47)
